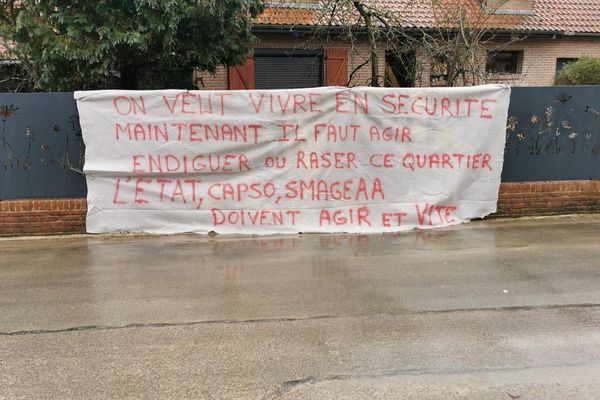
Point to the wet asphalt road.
(504, 309)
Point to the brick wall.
(548, 198)
(42, 217)
(210, 81)
(540, 54)
(537, 65)
(67, 216)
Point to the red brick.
(64, 216)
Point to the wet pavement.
(501, 309)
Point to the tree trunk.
(372, 34)
(374, 59)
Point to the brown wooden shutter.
(336, 67)
(241, 77)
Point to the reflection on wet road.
(482, 310)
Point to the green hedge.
(586, 71)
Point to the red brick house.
(532, 40)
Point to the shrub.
(586, 71)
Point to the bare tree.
(14, 77)
(461, 34)
(453, 36)
(351, 19)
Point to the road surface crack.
(86, 328)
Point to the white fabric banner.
(282, 161)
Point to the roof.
(566, 16)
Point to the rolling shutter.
(288, 69)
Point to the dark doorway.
(400, 69)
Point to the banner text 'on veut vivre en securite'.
(282, 161)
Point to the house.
(526, 43)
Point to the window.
(563, 62)
(503, 62)
(287, 68)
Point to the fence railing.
(553, 134)
(41, 149)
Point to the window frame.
(515, 62)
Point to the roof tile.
(577, 16)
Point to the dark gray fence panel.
(40, 146)
(553, 134)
